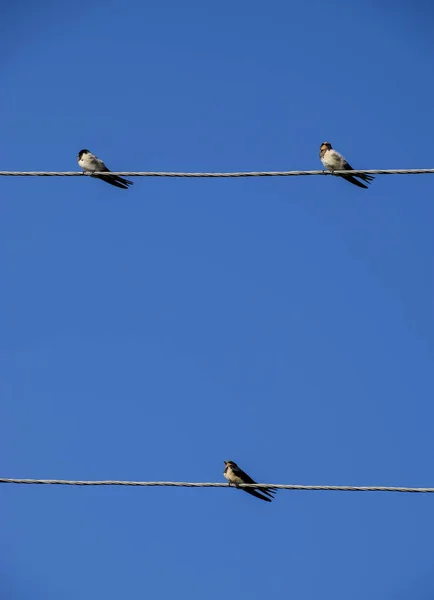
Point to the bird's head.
(326, 146)
(82, 152)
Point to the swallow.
(333, 161)
(91, 163)
(235, 476)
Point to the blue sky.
(285, 324)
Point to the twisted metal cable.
(333, 488)
(239, 174)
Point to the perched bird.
(235, 475)
(333, 161)
(91, 163)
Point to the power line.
(236, 174)
(328, 488)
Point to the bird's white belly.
(90, 165)
(330, 164)
(332, 161)
(234, 479)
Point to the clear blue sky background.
(286, 324)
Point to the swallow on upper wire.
(235, 476)
(91, 163)
(333, 161)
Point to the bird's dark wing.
(240, 473)
(253, 492)
(350, 178)
(365, 177)
(115, 180)
(266, 491)
(247, 479)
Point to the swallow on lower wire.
(333, 161)
(91, 163)
(235, 476)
